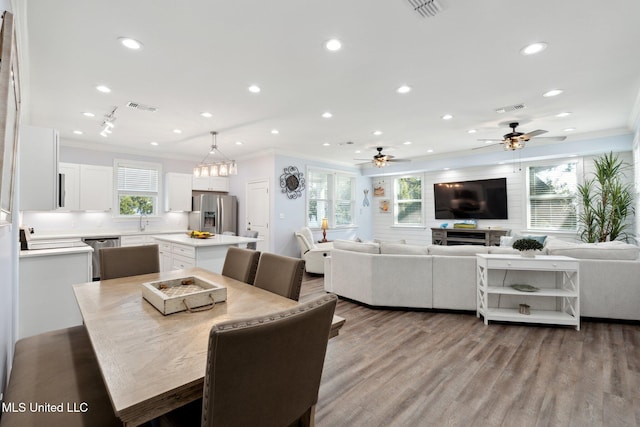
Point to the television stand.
(467, 236)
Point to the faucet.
(142, 226)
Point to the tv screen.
(481, 199)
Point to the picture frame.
(9, 116)
(379, 188)
(384, 206)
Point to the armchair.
(312, 253)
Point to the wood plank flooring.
(412, 368)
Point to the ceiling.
(202, 55)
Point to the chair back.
(241, 264)
(305, 240)
(280, 274)
(266, 371)
(128, 261)
(253, 234)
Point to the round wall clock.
(292, 182)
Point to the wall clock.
(292, 182)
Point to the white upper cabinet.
(211, 183)
(178, 192)
(96, 188)
(39, 179)
(87, 187)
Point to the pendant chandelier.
(224, 167)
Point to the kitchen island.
(179, 251)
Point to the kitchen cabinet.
(211, 183)
(137, 240)
(39, 179)
(45, 298)
(178, 192)
(87, 187)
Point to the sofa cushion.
(347, 245)
(603, 250)
(458, 250)
(400, 241)
(403, 249)
(503, 250)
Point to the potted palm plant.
(527, 247)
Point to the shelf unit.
(564, 290)
(467, 236)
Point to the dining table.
(153, 363)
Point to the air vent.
(428, 8)
(509, 108)
(141, 107)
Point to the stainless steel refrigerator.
(215, 213)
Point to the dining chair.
(277, 388)
(128, 261)
(241, 264)
(253, 234)
(280, 274)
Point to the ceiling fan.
(380, 160)
(516, 140)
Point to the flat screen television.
(480, 199)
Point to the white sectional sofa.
(444, 277)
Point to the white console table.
(563, 291)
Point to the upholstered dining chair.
(128, 261)
(241, 264)
(278, 388)
(253, 234)
(280, 274)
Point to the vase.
(528, 253)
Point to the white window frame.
(529, 197)
(331, 200)
(421, 200)
(157, 195)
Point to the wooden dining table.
(152, 363)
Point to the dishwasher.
(97, 244)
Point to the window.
(552, 193)
(407, 201)
(136, 187)
(330, 195)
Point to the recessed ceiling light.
(326, 144)
(153, 143)
(77, 132)
(254, 89)
(239, 142)
(407, 143)
(88, 114)
(275, 131)
(327, 115)
(130, 43)
(177, 131)
(206, 114)
(533, 48)
(447, 117)
(553, 92)
(377, 132)
(563, 114)
(430, 151)
(569, 129)
(103, 89)
(472, 131)
(333, 45)
(404, 89)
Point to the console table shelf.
(564, 289)
(467, 236)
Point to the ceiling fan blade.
(534, 133)
(488, 145)
(398, 160)
(491, 139)
(552, 138)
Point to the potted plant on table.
(527, 247)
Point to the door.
(257, 215)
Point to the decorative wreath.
(292, 182)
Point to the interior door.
(257, 214)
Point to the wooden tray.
(191, 293)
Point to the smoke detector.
(428, 8)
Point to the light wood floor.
(411, 368)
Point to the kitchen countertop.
(79, 248)
(216, 240)
(99, 233)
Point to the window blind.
(136, 179)
(552, 192)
